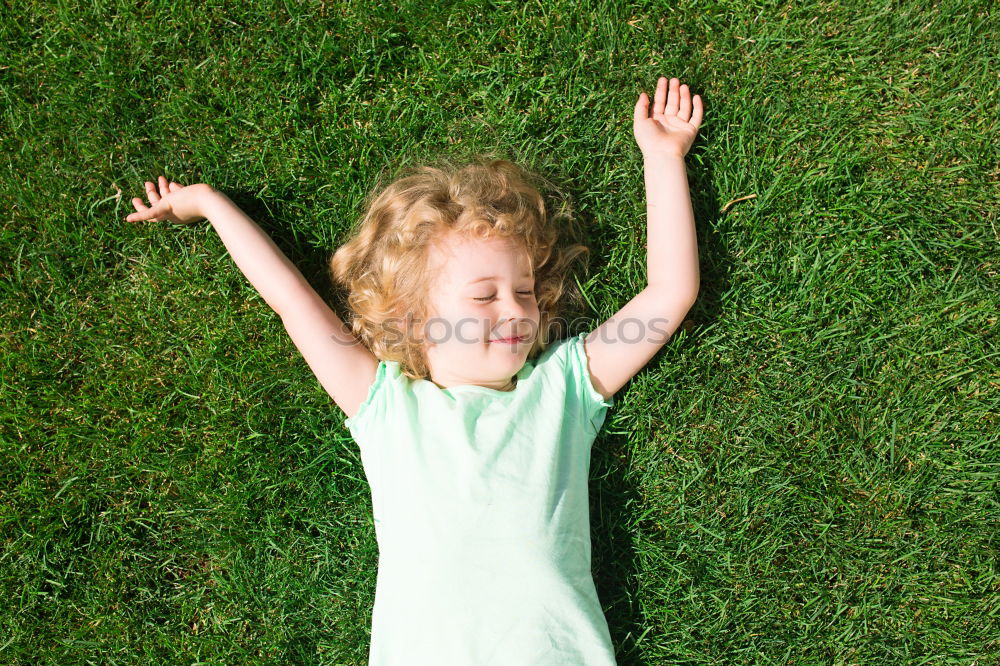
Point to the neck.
(509, 386)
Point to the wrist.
(663, 156)
(206, 198)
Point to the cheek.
(532, 311)
(467, 329)
(456, 327)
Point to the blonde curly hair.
(384, 265)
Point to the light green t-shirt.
(482, 517)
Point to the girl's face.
(484, 293)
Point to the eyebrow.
(493, 277)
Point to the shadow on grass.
(616, 563)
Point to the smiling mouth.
(509, 341)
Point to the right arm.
(271, 273)
(344, 367)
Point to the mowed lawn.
(807, 473)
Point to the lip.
(510, 341)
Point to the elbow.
(690, 302)
(676, 292)
(691, 293)
(695, 288)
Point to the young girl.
(474, 427)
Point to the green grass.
(807, 473)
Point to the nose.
(513, 309)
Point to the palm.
(161, 203)
(675, 119)
(667, 128)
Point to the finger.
(641, 108)
(672, 98)
(151, 193)
(142, 212)
(684, 113)
(164, 186)
(660, 96)
(175, 186)
(696, 114)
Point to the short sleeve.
(375, 392)
(594, 403)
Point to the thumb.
(642, 107)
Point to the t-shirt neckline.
(473, 387)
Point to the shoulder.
(388, 379)
(569, 356)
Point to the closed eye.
(487, 298)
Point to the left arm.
(671, 242)
(624, 344)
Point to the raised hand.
(173, 202)
(674, 123)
